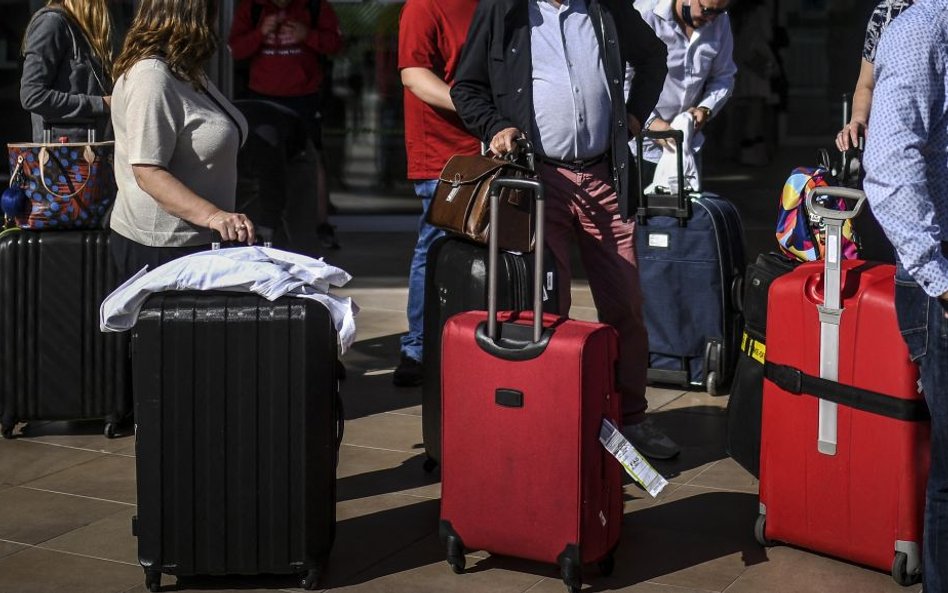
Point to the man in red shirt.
(285, 41)
(431, 34)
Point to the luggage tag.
(634, 463)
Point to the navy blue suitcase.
(690, 251)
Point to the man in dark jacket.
(553, 71)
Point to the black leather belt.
(574, 166)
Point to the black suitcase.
(747, 390)
(57, 365)
(690, 251)
(238, 423)
(456, 281)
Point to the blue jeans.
(413, 341)
(925, 329)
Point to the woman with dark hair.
(67, 61)
(176, 140)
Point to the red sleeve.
(245, 39)
(326, 38)
(418, 36)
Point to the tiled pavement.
(67, 494)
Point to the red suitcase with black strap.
(845, 435)
(523, 398)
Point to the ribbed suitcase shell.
(456, 281)
(688, 275)
(858, 503)
(236, 411)
(747, 388)
(56, 364)
(531, 481)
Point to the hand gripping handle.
(683, 213)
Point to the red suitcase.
(523, 473)
(845, 436)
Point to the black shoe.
(326, 233)
(408, 373)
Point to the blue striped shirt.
(907, 145)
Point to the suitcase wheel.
(607, 565)
(153, 580)
(109, 430)
(310, 579)
(572, 574)
(7, 431)
(900, 572)
(455, 554)
(712, 384)
(430, 465)
(713, 366)
(760, 532)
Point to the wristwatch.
(707, 110)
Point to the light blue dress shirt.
(907, 142)
(572, 109)
(701, 68)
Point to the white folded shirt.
(270, 273)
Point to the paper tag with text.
(634, 463)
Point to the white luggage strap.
(831, 310)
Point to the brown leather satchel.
(461, 202)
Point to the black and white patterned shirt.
(880, 19)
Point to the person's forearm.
(862, 99)
(862, 95)
(246, 45)
(173, 196)
(426, 85)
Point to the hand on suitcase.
(232, 226)
(505, 141)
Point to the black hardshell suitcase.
(747, 389)
(238, 426)
(456, 281)
(690, 252)
(56, 364)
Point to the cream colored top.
(162, 120)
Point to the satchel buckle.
(455, 188)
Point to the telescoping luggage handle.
(493, 253)
(88, 123)
(831, 309)
(682, 207)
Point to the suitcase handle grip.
(835, 192)
(88, 123)
(683, 210)
(493, 252)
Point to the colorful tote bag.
(59, 186)
(800, 234)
